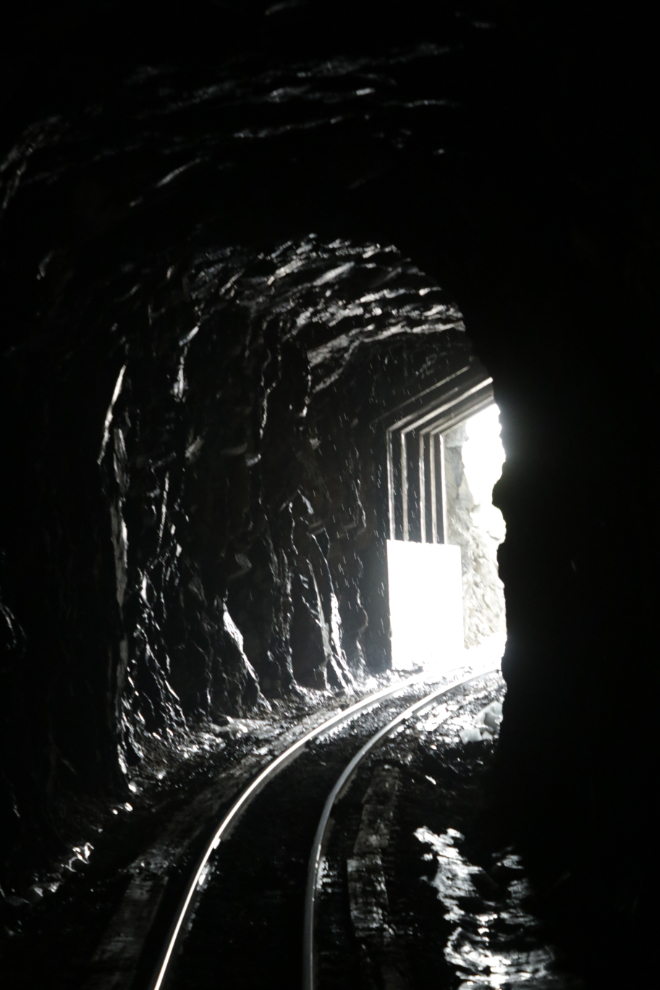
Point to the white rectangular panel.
(426, 604)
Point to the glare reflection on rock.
(487, 945)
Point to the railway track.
(257, 888)
(310, 981)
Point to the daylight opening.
(446, 598)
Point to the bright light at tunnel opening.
(483, 457)
(426, 609)
(425, 579)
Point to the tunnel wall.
(200, 442)
(557, 294)
(510, 152)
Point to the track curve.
(222, 831)
(308, 981)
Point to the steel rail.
(247, 795)
(336, 792)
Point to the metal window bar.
(427, 467)
(390, 485)
(422, 491)
(404, 487)
(434, 505)
(441, 497)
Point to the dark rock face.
(192, 380)
(218, 510)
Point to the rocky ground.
(418, 888)
(90, 911)
(415, 888)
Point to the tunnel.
(444, 456)
(262, 266)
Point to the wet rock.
(231, 515)
(486, 885)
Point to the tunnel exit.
(446, 599)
